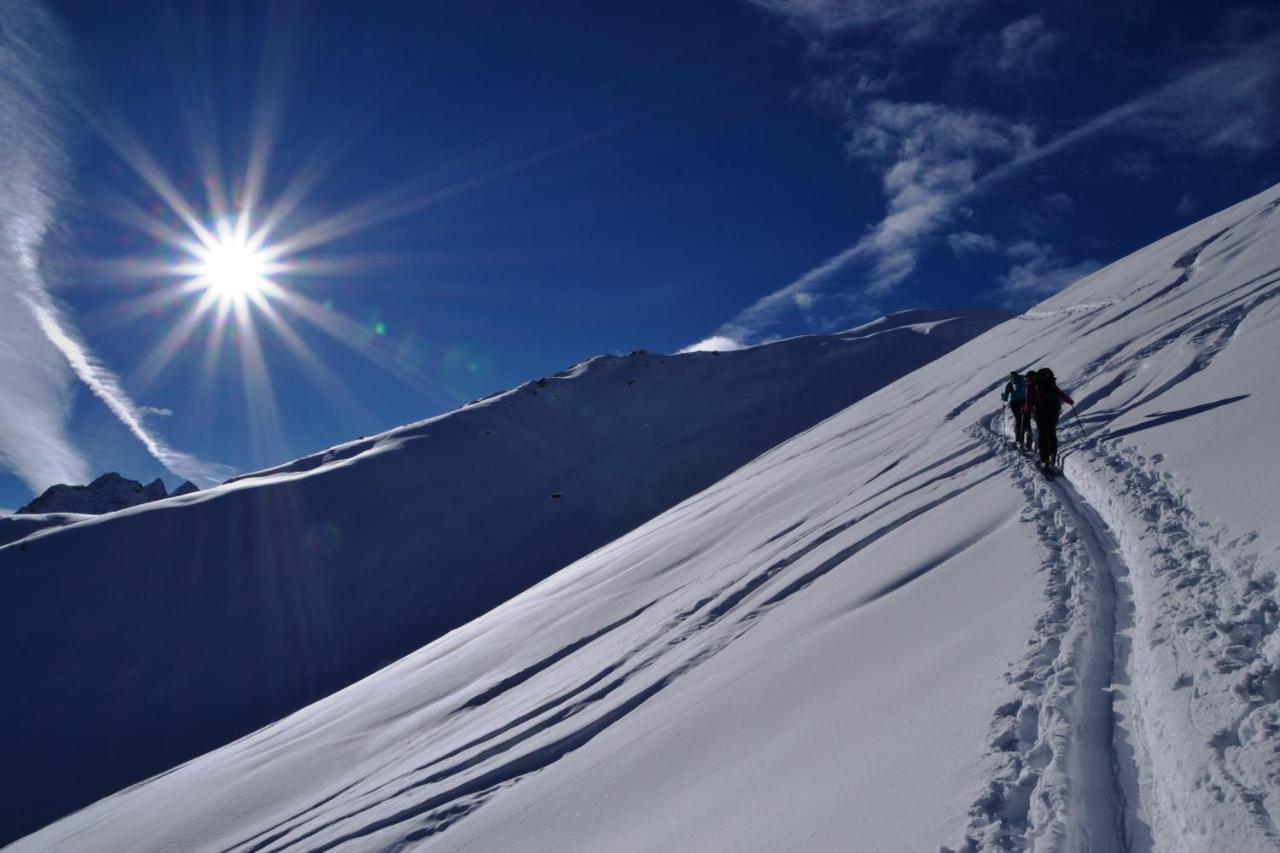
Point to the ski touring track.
(1064, 756)
(1203, 689)
(1076, 766)
(1143, 715)
(1147, 714)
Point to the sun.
(235, 264)
(229, 264)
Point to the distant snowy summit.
(108, 493)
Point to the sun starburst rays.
(235, 271)
(235, 247)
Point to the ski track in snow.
(1144, 712)
(1061, 780)
(1139, 592)
(1071, 765)
(1206, 616)
(1073, 759)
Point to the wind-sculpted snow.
(888, 633)
(15, 527)
(149, 636)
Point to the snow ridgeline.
(151, 635)
(886, 633)
(16, 527)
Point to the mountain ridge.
(286, 584)
(108, 493)
(889, 632)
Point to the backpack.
(1047, 396)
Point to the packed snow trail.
(1103, 776)
(885, 633)
(1068, 775)
(1188, 580)
(1204, 685)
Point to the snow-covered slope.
(890, 632)
(146, 637)
(14, 527)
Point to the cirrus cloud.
(40, 350)
(907, 20)
(935, 158)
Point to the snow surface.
(14, 527)
(888, 633)
(149, 636)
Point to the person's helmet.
(1013, 374)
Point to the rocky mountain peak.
(108, 493)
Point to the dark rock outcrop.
(108, 493)
(186, 488)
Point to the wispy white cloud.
(35, 397)
(971, 243)
(908, 20)
(156, 411)
(935, 159)
(106, 386)
(1231, 106)
(1039, 272)
(1023, 249)
(1229, 90)
(930, 156)
(1058, 202)
(40, 352)
(35, 386)
(1025, 45)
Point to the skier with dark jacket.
(1044, 403)
(1015, 394)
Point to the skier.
(1015, 394)
(1044, 403)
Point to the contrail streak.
(106, 386)
(37, 342)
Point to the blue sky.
(508, 188)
